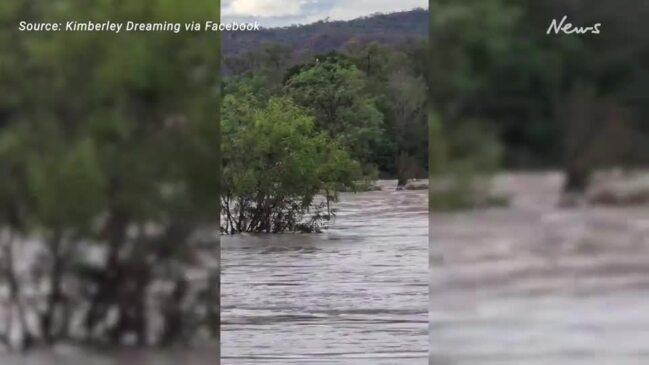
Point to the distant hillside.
(325, 36)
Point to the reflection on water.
(357, 294)
(534, 284)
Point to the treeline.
(502, 92)
(326, 36)
(492, 65)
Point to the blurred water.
(357, 294)
(533, 284)
(71, 355)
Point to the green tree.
(397, 83)
(336, 93)
(408, 98)
(466, 40)
(288, 175)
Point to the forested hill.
(325, 36)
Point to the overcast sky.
(273, 13)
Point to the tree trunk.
(576, 181)
(406, 166)
(55, 296)
(173, 329)
(14, 295)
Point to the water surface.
(535, 285)
(356, 294)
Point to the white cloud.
(357, 8)
(264, 8)
(285, 12)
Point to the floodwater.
(356, 294)
(70, 355)
(535, 285)
(530, 284)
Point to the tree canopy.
(287, 164)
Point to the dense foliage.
(109, 156)
(275, 164)
(364, 108)
(492, 63)
(335, 92)
(502, 92)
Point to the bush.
(462, 160)
(280, 174)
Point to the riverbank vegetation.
(314, 125)
(276, 164)
(495, 91)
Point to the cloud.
(272, 13)
(345, 10)
(263, 8)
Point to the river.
(533, 284)
(529, 284)
(356, 294)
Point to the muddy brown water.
(356, 294)
(534, 284)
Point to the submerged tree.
(109, 153)
(466, 39)
(397, 83)
(598, 133)
(408, 105)
(280, 173)
(595, 82)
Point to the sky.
(277, 13)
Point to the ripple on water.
(533, 284)
(357, 294)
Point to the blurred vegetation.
(109, 153)
(570, 101)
